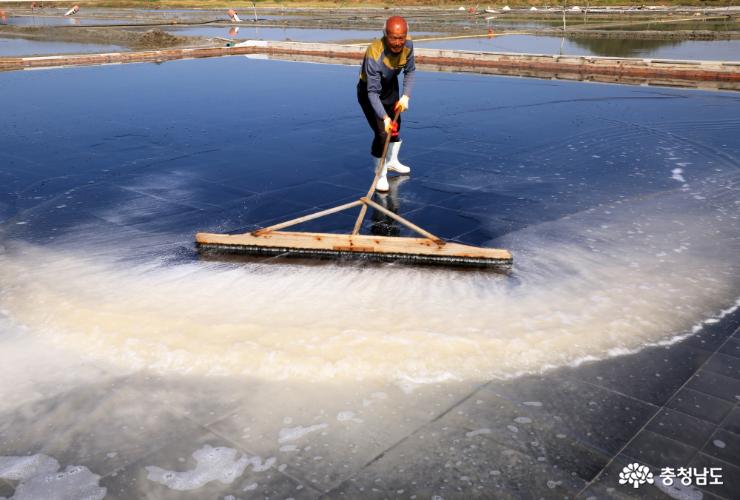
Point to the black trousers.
(388, 100)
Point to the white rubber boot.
(391, 160)
(382, 184)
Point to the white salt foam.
(41, 479)
(212, 464)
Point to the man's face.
(395, 35)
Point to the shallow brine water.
(60, 20)
(619, 203)
(623, 225)
(294, 34)
(21, 47)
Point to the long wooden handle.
(371, 191)
(305, 218)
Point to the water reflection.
(702, 25)
(727, 50)
(384, 225)
(21, 47)
(619, 47)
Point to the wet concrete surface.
(582, 181)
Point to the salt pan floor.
(132, 368)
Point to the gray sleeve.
(373, 86)
(409, 72)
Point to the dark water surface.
(245, 124)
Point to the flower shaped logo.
(635, 474)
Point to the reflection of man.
(383, 225)
(378, 94)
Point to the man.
(378, 92)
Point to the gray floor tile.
(45, 377)
(725, 446)
(469, 178)
(708, 339)
(358, 180)
(427, 192)
(188, 190)
(681, 427)
(544, 436)
(439, 220)
(713, 335)
(201, 399)
(717, 385)
(194, 475)
(265, 207)
(652, 375)
(490, 204)
(324, 441)
(700, 405)
(580, 411)
(607, 485)
(732, 421)
(659, 451)
(101, 426)
(723, 364)
(317, 194)
(729, 474)
(482, 236)
(731, 348)
(279, 176)
(441, 461)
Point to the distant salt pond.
(719, 50)
(22, 47)
(272, 33)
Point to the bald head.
(396, 23)
(396, 30)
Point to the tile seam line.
(614, 391)
(650, 420)
(723, 462)
(157, 449)
(248, 451)
(720, 423)
(669, 439)
(716, 426)
(413, 432)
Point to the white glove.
(387, 124)
(402, 104)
